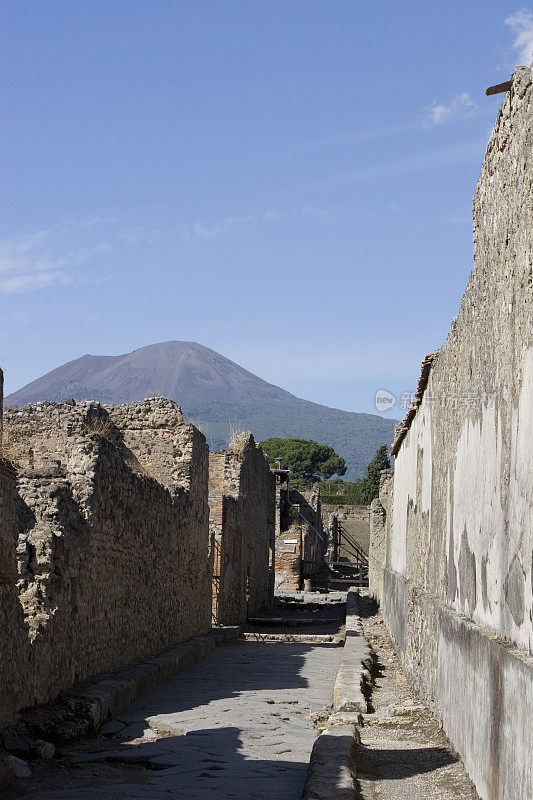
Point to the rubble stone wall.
(288, 560)
(313, 538)
(14, 649)
(242, 500)
(457, 579)
(111, 564)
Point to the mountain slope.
(216, 393)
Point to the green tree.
(361, 492)
(308, 461)
(369, 485)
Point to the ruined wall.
(288, 560)
(14, 647)
(380, 524)
(301, 542)
(354, 521)
(242, 500)
(330, 526)
(111, 565)
(313, 538)
(159, 444)
(289, 546)
(457, 587)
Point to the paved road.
(235, 725)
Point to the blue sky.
(288, 182)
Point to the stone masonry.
(300, 540)
(380, 521)
(242, 501)
(451, 556)
(104, 542)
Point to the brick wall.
(300, 541)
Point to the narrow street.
(236, 725)
(241, 723)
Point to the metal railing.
(351, 547)
(295, 508)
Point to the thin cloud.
(521, 22)
(442, 157)
(30, 282)
(53, 256)
(139, 234)
(17, 318)
(199, 230)
(457, 218)
(43, 258)
(460, 106)
(352, 137)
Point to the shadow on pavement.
(234, 725)
(383, 764)
(206, 763)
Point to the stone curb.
(288, 638)
(112, 695)
(105, 699)
(354, 670)
(332, 767)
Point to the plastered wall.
(456, 574)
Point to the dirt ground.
(404, 754)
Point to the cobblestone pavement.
(235, 725)
(404, 754)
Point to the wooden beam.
(500, 87)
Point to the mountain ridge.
(216, 393)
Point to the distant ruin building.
(300, 538)
(242, 501)
(348, 531)
(452, 535)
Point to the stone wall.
(242, 500)
(313, 538)
(104, 542)
(353, 521)
(301, 542)
(14, 644)
(380, 522)
(288, 548)
(457, 578)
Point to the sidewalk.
(403, 754)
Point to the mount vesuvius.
(216, 393)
